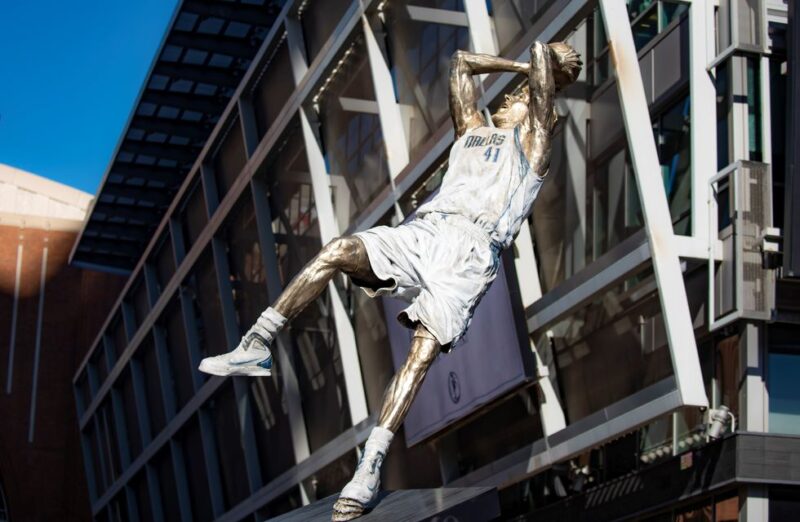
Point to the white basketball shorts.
(440, 263)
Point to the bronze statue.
(443, 261)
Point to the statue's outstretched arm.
(541, 83)
(463, 95)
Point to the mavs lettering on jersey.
(480, 141)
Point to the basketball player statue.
(443, 261)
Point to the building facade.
(49, 314)
(649, 284)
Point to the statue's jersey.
(488, 181)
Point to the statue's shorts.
(440, 263)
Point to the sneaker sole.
(235, 371)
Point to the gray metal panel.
(413, 505)
(606, 124)
(672, 56)
(646, 65)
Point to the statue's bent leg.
(396, 402)
(252, 356)
(345, 254)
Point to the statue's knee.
(340, 252)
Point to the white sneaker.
(362, 491)
(251, 358)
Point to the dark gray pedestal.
(413, 505)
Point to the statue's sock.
(266, 328)
(364, 486)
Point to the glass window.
(247, 277)
(353, 145)
(722, 81)
(229, 158)
(119, 338)
(92, 435)
(191, 443)
(164, 262)
(203, 291)
(193, 215)
(125, 385)
(319, 21)
(109, 443)
(166, 481)
(230, 453)
(512, 18)
(180, 364)
(248, 280)
(783, 372)
(139, 300)
(419, 57)
(624, 326)
(140, 489)
(146, 354)
(754, 109)
(644, 14)
(673, 131)
(273, 89)
(313, 333)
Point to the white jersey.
(488, 181)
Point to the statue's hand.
(567, 63)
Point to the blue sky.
(69, 75)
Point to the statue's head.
(513, 111)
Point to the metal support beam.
(432, 15)
(240, 386)
(480, 27)
(703, 113)
(197, 131)
(200, 73)
(658, 224)
(329, 229)
(207, 104)
(291, 386)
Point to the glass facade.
(295, 155)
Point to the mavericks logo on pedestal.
(454, 387)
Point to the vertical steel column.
(181, 481)
(207, 436)
(291, 387)
(154, 492)
(329, 229)
(388, 112)
(480, 27)
(240, 386)
(703, 116)
(388, 109)
(658, 224)
(753, 398)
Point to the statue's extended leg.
(397, 400)
(252, 357)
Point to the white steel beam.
(389, 112)
(480, 27)
(658, 224)
(329, 229)
(702, 113)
